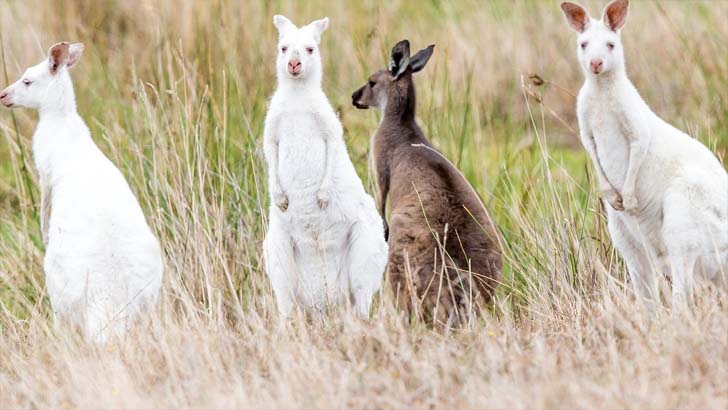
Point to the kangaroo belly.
(320, 252)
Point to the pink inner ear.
(58, 57)
(576, 16)
(73, 57)
(615, 14)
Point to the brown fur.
(433, 208)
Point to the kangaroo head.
(599, 47)
(298, 49)
(393, 83)
(47, 84)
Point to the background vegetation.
(175, 94)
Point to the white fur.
(325, 242)
(673, 190)
(103, 265)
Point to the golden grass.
(175, 93)
(581, 356)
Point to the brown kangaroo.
(441, 239)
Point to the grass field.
(175, 93)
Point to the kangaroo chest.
(301, 152)
(611, 142)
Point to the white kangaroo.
(102, 264)
(667, 193)
(325, 241)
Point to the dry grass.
(578, 356)
(175, 94)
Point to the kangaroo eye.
(610, 46)
(284, 49)
(27, 82)
(309, 50)
(584, 44)
(372, 83)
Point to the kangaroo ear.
(418, 61)
(576, 16)
(318, 27)
(57, 57)
(283, 25)
(615, 14)
(400, 58)
(74, 53)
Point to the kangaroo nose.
(294, 66)
(596, 65)
(5, 100)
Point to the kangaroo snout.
(294, 67)
(5, 99)
(355, 99)
(596, 65)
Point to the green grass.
(175, 94)
(191, 117)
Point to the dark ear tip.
(402, 43)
